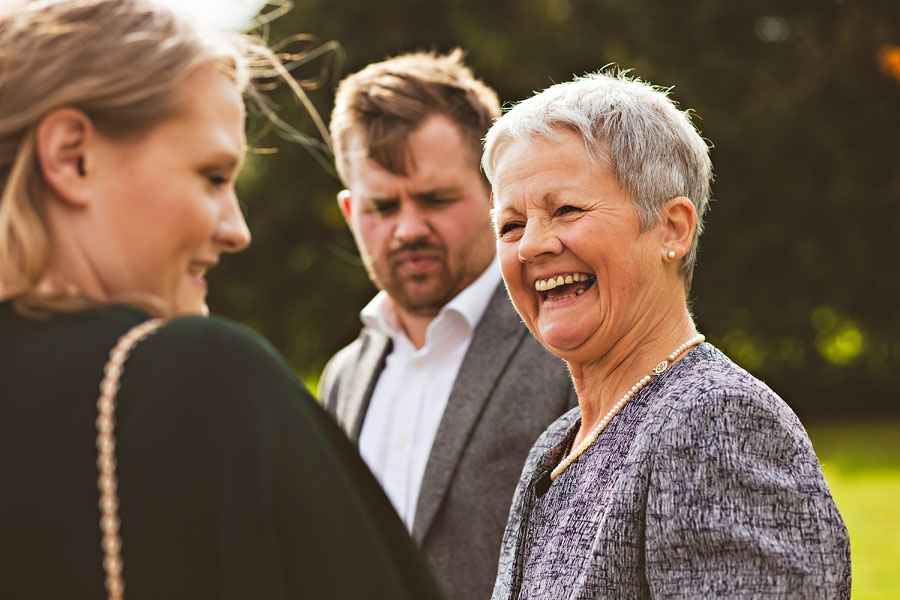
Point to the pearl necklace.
(637, 387)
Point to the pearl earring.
(671, 254)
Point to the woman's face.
(164, 204)
(558, 214)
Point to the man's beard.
(419, 294)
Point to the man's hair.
(629, 127)
(379, 106)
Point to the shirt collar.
(381, 312)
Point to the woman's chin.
(199, 310)
(562, 342)
(193, 307)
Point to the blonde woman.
(209, 471)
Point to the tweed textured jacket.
(705, 485)
(508, 390)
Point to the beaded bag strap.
(106, 455)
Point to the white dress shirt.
(412, 390)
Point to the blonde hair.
(122, 63)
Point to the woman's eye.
(563, 210)
(217, 180)
(509, 227)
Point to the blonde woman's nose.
(232, 231)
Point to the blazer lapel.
(494, 341)
(358, 391)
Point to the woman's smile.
(197, 273)
(563, 286)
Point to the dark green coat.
(233, 482)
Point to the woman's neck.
(601, 383)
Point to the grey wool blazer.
(508, 390)
(705, 485)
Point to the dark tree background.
(798, 278)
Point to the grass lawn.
(862, 465)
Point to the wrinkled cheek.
(510, 266)
(519, 303)
(525, 304)
(511, 269)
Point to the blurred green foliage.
(797, 278)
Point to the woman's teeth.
(577, 292)
(542, 285)
(198, 270)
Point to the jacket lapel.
(494, 341)
(358, 391)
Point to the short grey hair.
(630, 127)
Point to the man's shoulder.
(345, 362)
(369, 340)
(344, 356)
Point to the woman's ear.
(679, 221)
(63, 140)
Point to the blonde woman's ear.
(62, 141)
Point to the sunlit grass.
(862, 465)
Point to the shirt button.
(419, 364)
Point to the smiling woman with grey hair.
(679, 474)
